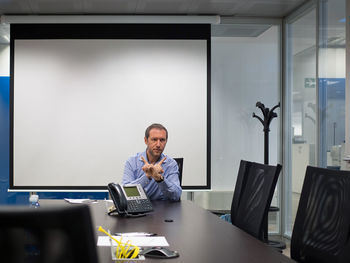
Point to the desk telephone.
(129, 199)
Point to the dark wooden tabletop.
(197, 234)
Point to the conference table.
(197, 234)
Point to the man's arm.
(170, 186)
(130, 175)
(153, 171)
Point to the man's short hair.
(155, 126)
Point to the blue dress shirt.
(169, 189)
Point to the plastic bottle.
(34, 201)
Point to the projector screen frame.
(109, 31)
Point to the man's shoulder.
(169, 159)
(136, 157)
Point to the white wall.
(4, 60)
(244, 71)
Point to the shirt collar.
(145, 156)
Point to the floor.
(285, 251)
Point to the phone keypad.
(139, 206)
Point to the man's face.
(156, 142)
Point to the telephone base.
(136, 215)
(115, 213)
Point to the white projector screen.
(80, 108)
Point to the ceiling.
(260, 8)
(226, 9)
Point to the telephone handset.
(129, 199)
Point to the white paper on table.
(80, 201)
(158, 241)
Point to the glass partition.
(301, 81)
(331, 71)
(314, 95)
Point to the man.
(157, 173)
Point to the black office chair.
(243, 168)
(250, 205)
(321, 230)
(240, 182)
(47, 235)
(180, 162)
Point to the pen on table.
(136, 234)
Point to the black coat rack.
(266, 121)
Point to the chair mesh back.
(256, 195)
(240, 182)
(321, 228)
(47, 235)
(180, 162)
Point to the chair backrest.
(243, 168)
(255, 189)
(322, 223)
(50, 235)
(180, 162)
